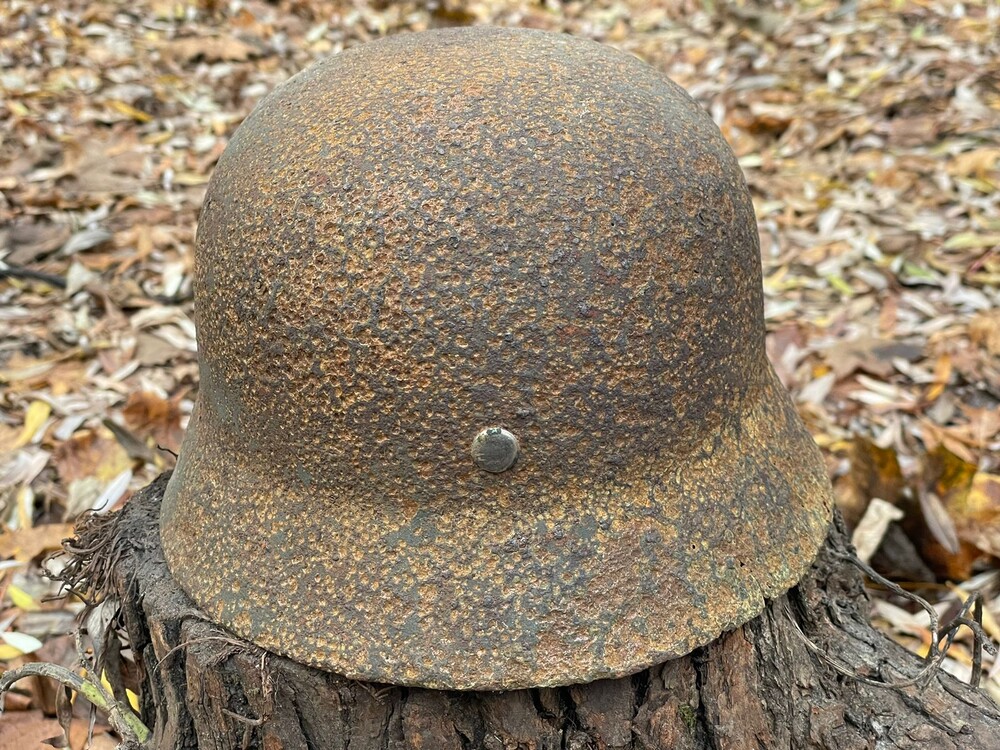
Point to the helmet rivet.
(495, 449)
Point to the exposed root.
(90, 558)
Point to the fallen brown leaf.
(150, 415)
(874, 473)
(90, 453)
(977, 512)
(210, 49)
(27, 730)
(25, 545)
(941, 528)
(984, 331)
(30, 240)
(869, 355)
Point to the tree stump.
(755, 688)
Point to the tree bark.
(758, 687)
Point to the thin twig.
(120, 717)
(17, 272)
(895, 588)
(940, 642)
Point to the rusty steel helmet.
(484, 399)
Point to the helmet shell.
(438, 234)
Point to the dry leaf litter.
(870, 136)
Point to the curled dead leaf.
(871, 529)
(940, 524)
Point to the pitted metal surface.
(441, 232)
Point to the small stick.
(121, 718)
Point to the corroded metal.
(439, 232)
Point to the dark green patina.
(439, 234)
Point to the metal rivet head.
(495, 449)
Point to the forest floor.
(869, 133)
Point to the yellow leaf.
(169, 10)
(22, 599)
(34, 418)
(24, 503)
(984, 495)
(8, 652)
(983, 186)
(942, 374)
(840, 284)
(980, 513)
(967, 240)
(129, 111)
(133, 699)
(157, 139)
(26, 644)
(189, 179)
(953, 476)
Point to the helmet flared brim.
(601, 581)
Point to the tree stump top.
(758, 686)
